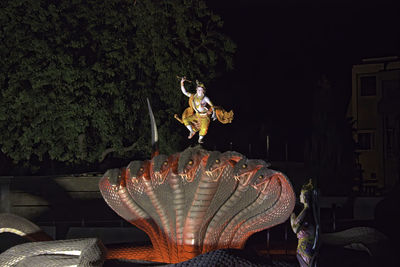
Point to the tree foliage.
(75, 74)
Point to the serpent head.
(245, 170)
(190, 161)
(114, 177)
(162, 165)
(217, 162)
(262, 179)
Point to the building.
(375, 108)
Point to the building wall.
(375, 88)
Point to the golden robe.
(200, 122)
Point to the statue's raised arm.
(183, 79)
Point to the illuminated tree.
(75, 74)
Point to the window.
(368, 86)
(365, 141)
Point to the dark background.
(283, 49)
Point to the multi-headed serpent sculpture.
(196, 201)
(193, 202)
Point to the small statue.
(196, 117)
(306, 226)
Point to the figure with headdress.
(196, 117)
(306, 226)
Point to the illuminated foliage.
(75, 74)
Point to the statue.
(196, 117)
(306, 226)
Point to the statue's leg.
(192, 133)
(201, 139)
(187, 122)
(204, 123)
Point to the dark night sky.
(283, 48)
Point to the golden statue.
(197, 116)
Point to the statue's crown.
(308, 186)
(200, 84)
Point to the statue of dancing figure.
(196, 117)
(306, 226)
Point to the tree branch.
(110, 150)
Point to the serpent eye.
(261, 176)
(165, 163)
(190, 162)
(141, 169)
(244, 166)
(217, 161)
